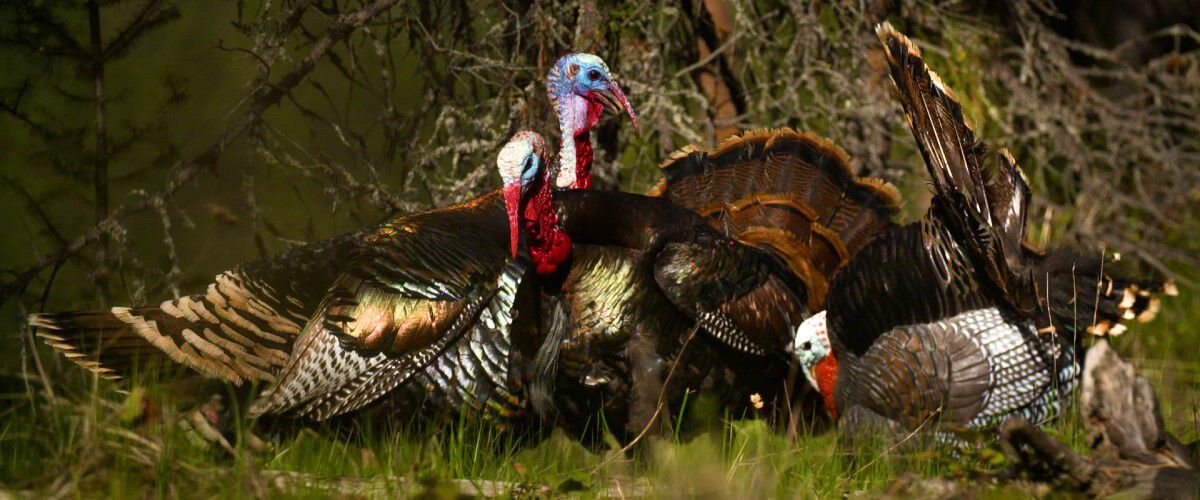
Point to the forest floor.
(117, 440)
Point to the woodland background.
(148, 144)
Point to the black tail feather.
(1084, 295)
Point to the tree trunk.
(100, 154)
(715, 79)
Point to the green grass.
(100, 439)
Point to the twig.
(711, 56)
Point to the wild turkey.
(245, 326)
(738, 244)
(953, 319)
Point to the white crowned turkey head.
(814, 353)
(520, 165)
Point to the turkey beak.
(512, 202)
(811, 374)
(616, 101)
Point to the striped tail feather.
(235, 332)
(792, 194)
(97, 341)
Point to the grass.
(126, 440)
(92, 447)
(101, 442)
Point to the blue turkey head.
(580, 86)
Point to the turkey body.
(920, 339)
(625, 341)
(698, 289)
(615, 327)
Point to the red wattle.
(548, 247)
(583, 146)
(825, 373)
(595, 111)
(557, 251)
(583, 160)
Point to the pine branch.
(264, 97)
(152, 15)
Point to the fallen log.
(1132, 454)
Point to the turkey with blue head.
(954, 319)
(335, 324)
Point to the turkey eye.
(806, 346)
(594, 74)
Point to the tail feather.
(982, 202)
(1084, 295)
(945, 138)
(789, 193)
(96, 341)
(233, 332)
(1008, 193)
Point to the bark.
(714, 29)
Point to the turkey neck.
(548, 246)
(576, 150)
(826, 374)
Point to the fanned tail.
(789, 193)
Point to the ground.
(103, 439)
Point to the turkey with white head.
(953, 319)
